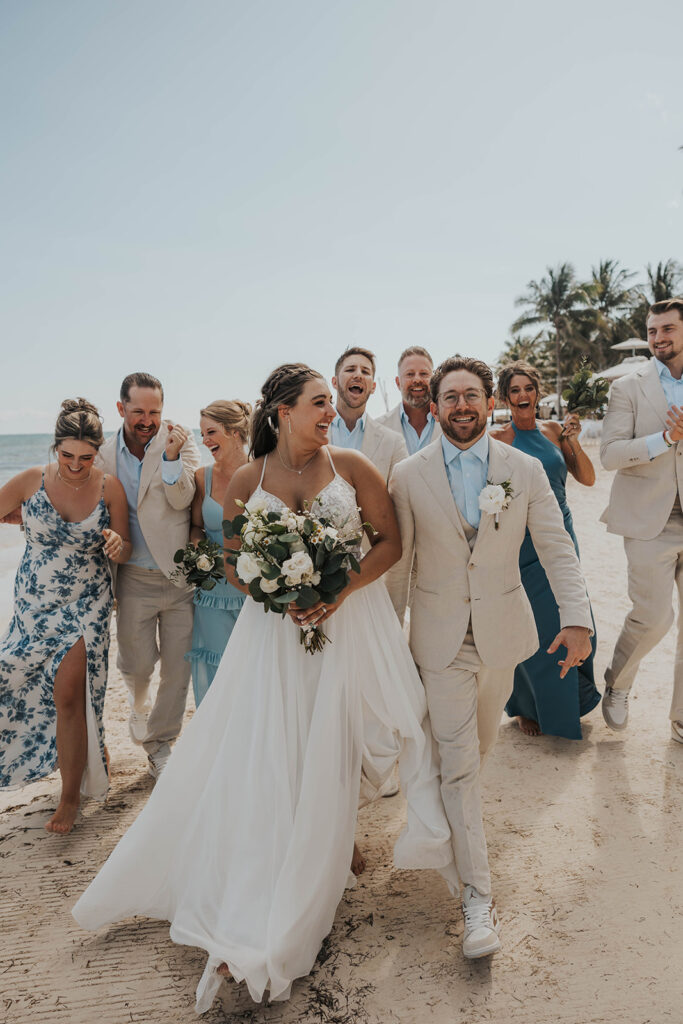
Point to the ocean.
(17, 452)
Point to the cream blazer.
(384, 447)
(643, 491)
(163, 509)
(392, 420)
(454, 583)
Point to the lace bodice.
(337, 502)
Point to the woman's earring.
(290, 424)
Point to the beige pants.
(654, 566)
(466, 702)
(154, 622)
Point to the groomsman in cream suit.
(155, 460)
(641, 438)
(354, 382)
(470, 620)
(412, 417)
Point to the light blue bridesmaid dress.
(215, 611)
(539, 693)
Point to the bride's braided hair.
(282, 387)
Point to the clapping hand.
(175, 441)
(674, 423)
(577, 640)
(113, 544)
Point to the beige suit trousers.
(154, 622)
(654, 566)
(466, 702)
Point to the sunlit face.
(75, 460)
(665, 335)
(414, 375)
(310, 416)
(141, 414)
(522, 394)
(216, 437)
(462, 406)
(355, 381)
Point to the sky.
(206, 189)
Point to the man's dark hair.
(139, 380)
(355, 350)
(475, 366)
(666, 305)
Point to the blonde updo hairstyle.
(78, 420)
(232, 415)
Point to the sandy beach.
(585, 845)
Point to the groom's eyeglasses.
(472, 396)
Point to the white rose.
(252, 536)
(269, 586)
(331, 532)
(297, 565)
(248, 567)
(315, 579)
(492, 499)
(256, 504)
(205, 563)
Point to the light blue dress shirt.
(415, 442)
(467, 472)
(673, 392)
(345, 438)
(128, 470)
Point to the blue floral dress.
(62, 592)
(215, 611)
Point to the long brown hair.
(282, 387)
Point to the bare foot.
(62, 821)
(224, 971)
(357, 861)
(528, 726)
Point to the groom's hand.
(577, 640)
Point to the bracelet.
(667, 442)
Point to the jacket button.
(471, 565)
(466, 600)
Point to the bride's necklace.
(74, 487)
(291, 468)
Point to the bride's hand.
(316, 614)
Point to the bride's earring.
(289, 422)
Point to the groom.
(470, 620)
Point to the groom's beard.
(463, 433)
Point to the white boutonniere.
(495, 498)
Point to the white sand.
(585, 844)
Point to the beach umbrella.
(622, 369)
(630, 345)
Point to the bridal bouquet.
(288, 558)
(202, 566)
(583, 394)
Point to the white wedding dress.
(245, 843)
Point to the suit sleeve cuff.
(170, 471)
(656, 445)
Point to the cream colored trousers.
(154, 623)
(465, 703)
(654, 567)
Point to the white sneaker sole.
(493, 947)
(614, 726)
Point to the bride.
(245, 843)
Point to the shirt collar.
(480, 449)
(404, 416)
(338, 422)
(123, 445)
(664, 371)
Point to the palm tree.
(663, 282)
(559, 302)
(611, 298)
(531, 349)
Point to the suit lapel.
(653, 391)
(371, 440)
(433, 471)
(498, 472)
(151, 461)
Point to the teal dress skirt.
(215, 611)
(539, 693)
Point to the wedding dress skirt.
(246, 841)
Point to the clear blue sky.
(205, 189)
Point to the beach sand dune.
(586, 858)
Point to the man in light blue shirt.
(412, 417)
(467, 470)
(155, 460)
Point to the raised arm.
(180, 445)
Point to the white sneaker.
(615, 708)
(157, 762)
(677, 731)
(482, 926)
(137, 725)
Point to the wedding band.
(324, 609)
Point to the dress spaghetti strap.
(208, 478)
(334, 468)
(263, 471)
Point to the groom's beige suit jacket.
(454, 582)
(163, 509)
(643, 491)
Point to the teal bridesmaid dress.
(215, 611)
(539, 693)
